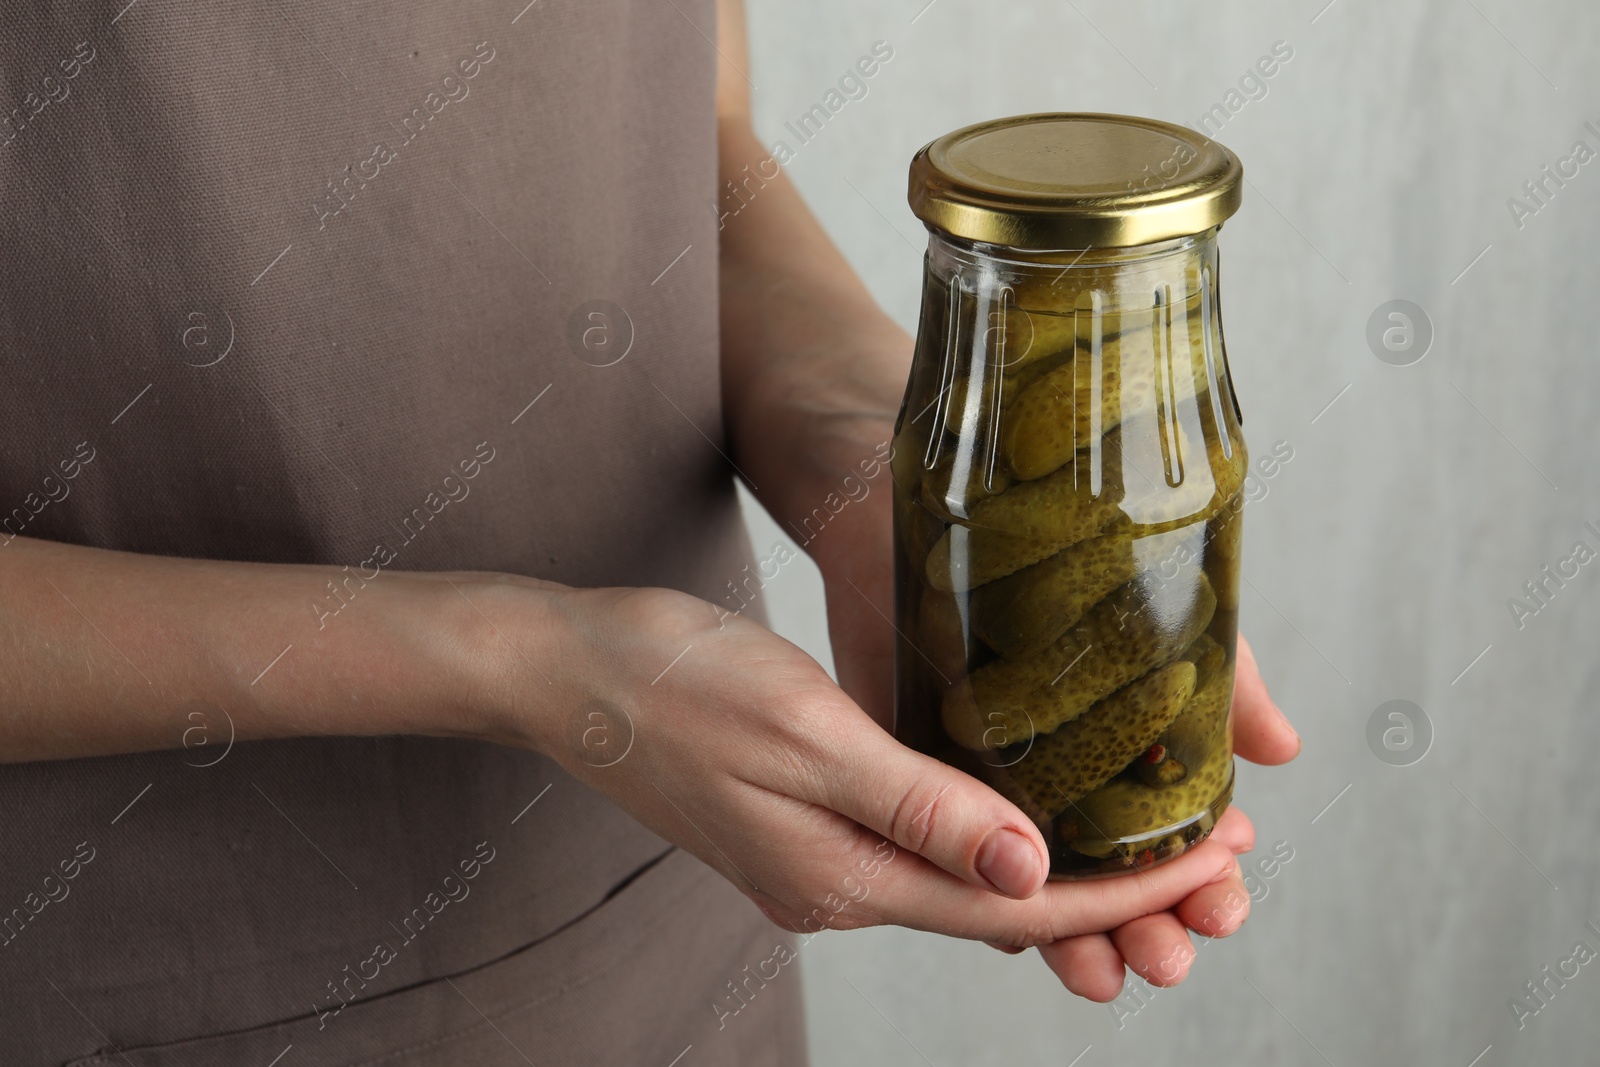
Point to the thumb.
(947, 817)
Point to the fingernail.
(1010, 863)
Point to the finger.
(948, 817)
(844, 876)
(1236, 831)
(1261, 732)
(911, 892)
(1009, 950)
(1089, 965)
(1156, 948)
(1219, 908)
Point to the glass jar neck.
(1178, 257)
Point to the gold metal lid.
(1074, 180)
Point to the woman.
(375, 384)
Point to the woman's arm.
(813, 371)
(104, 652)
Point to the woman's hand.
(854, 554)
(735, 745)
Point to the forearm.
(106, 652)
(813, 369)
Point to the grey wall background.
(1380, 565)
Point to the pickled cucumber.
(1032, 521)
(1151, 483)
(952, 495)
(1058, 414)
(1029, 522)
(1126, 808)
(1209, 480)
(1061, 508)
(1200, 725)
(1006, 787)
(1021, 614)
(1224, 541)
(972, 553)
(1035, 336)
(1125, 635)
(1083, 754)
(964, 559)
(942, 636)
(1033, 343)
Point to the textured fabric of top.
(291, 282)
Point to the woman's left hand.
(854, 552)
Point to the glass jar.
(1069, 471)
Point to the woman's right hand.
(735, 745)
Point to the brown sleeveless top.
(272, 277)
